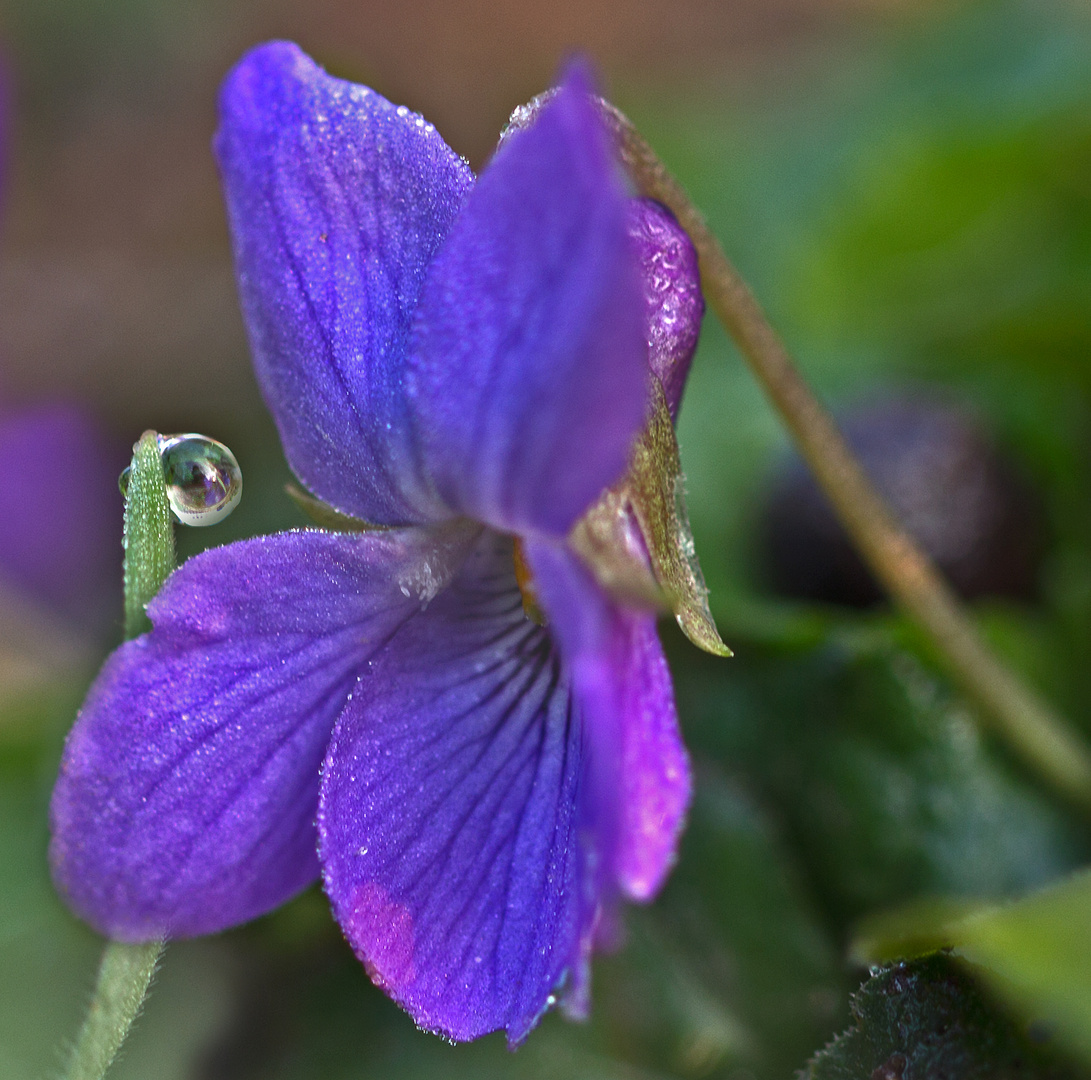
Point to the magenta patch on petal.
(387, 928)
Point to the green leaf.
(1035, 952)
(927, 1018)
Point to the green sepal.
(651, 496)
(149, 533)
(323, 514)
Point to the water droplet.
(402, 111)
(204, 481)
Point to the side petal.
(189, 784)
(640, 779)
(528, 368)
(449, 835)
(337, 203)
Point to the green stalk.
(126, 971)
(149, 533)
(123, 979)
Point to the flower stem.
(124, 976)
(1016, 713)
(149, 532)
(126, 971)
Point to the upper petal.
(449, 825)
(337, 202)
(528, 370)
(189, 784)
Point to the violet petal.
(528, 368)
(449, 837)
(189, 784)
(337, 202)
(639, 780)
(673, 302)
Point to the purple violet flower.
(464, 366)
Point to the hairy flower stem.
(123, 980)
(149, 533)
(125, 972)
(1016, 713)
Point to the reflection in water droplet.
(204, 481)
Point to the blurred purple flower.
(459, 364)
(60, 537)
(60, 542)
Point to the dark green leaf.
(1035, 952)
(928, 1020)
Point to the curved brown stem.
(1042, 738)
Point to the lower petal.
(450, 837)
(189, 784)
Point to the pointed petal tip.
(251, 82)
(579, 75)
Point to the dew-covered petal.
(528, 367)
(337, 202)
(189, 784)
(638, 768)
(449, 834)
(673, 304)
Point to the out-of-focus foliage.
(921, 213)
(879, 775)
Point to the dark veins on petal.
(449, 820)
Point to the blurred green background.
(907, 186)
